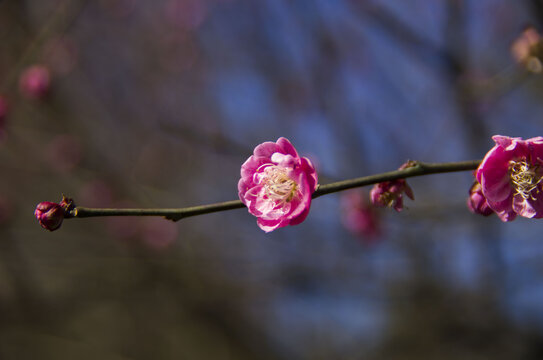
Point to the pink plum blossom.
(276, 185)
(477, 203)
(510, 176)
(390, 193)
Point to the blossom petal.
(495, 164)
(266, 149)
(496, 189)
(536, 148)
(250, 197)
(528, 208)
(507, 216)
(523, 207)
(251, 165)
(283, 160)
(286, 147)
(505, 141)
(268, 225)
(309, 169)
(300, 218)
(242, 188)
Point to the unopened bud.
(50, 215)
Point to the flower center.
(388, 198)
(278, 186)
(525, 178)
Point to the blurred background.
(132, 103)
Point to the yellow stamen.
(525, 178)
(278, 186)
(388, 198)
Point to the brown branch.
(419, 169)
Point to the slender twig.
(418, 169)
(170, 214)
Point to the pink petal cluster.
(35, 82)
(359, 217)
(477, 203)
(390, 193)
(50, 215)
(276, 185)
(511, 175)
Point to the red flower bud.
(50, 215)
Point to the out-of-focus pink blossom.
(527, 49)
(96, 193)
(123, 228)
(359, 217)
(35, 82)
(477, 202)
(158, 233)
(3, 115)
(511, 176)
(390, 193)
(3, 109)
(276, 185)
(64, 152)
